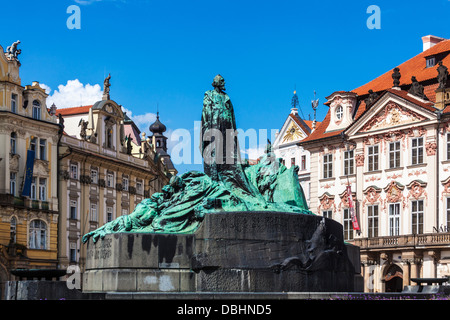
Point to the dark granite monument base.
(230, 252)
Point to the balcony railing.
(410, 240)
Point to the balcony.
(404, 241)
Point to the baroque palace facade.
(380, 165)
(65, 172)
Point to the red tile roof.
(73, 110)
(415, 66)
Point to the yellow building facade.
(28, 223)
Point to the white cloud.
(143, 121)
(73, 94)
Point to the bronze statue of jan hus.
(219, 144)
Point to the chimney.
(429, 41)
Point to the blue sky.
(165, 53)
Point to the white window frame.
(327, 165)
(43, 189)
(418, 226)
(373, 154)
(372, 221)
(33, 193)
(394, 215)
(349, 163)
(93, 214)
(394, 154)
(36, 113)
(417, 151)
(339, 112)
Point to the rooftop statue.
(442, 75)
(227, 184)
(12, 50)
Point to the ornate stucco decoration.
(392, 115)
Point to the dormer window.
(36, 110)
(431, 62)
(339, 112)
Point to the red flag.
(352, 209)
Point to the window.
(73, 209)
(43, 149)
(431, 62)
(13, 229)
(13, 142)
(14, 103)
(372, 215)
(448, 214)
(33, 144)
(73, 255)
(109, 214)
(327, 214)
(124, 212)
(38, 235)
(139, 189)
(74, 171)
(109, 135)
(417, 216)
(417, 150)
(12, 183)
(125, 183)
(110, 180)
(328, 166)
(33, 195)
(339, 112)
(373, 158)
(93, 213)
(348, 225)
(303, 164)
(394, 154)
(394, 219)
(292, 162)
(348, 162)
(448, 146)
(42, 189)
(94, 176)
(36, 110)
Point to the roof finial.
(314, 104)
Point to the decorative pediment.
(417, 189)
(293, 133)
(372, 194)
(390, 116)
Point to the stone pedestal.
(230, 252)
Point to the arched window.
(13, 142)
(36, 110)
(13, 229)
(339, 112)
(38, 234)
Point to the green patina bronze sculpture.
(227, 184)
